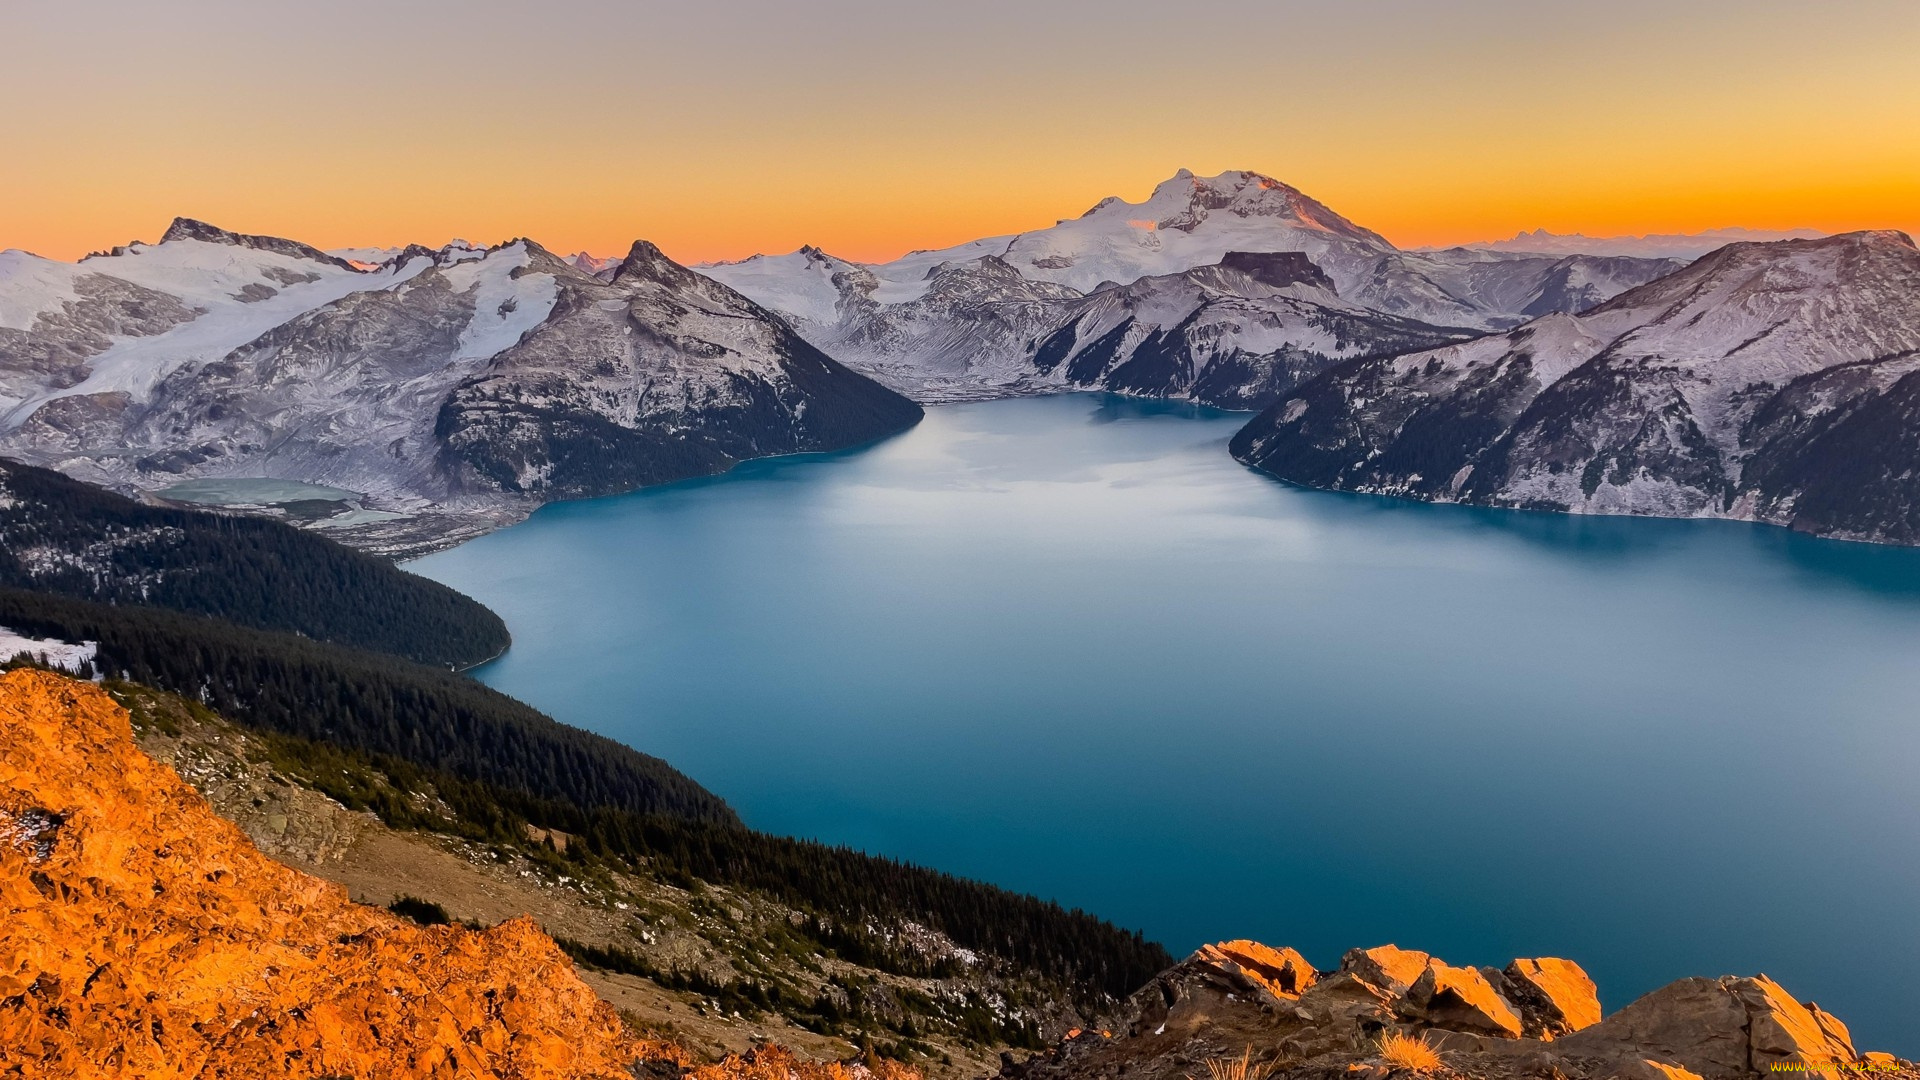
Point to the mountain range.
(454, 389)
(976, 320)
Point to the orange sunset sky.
(723, 128)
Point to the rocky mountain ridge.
(1766, 382)
(454, 389)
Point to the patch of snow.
(505, 307)
(207, 276)
(30, 285)
(50, 651)
(799, 283)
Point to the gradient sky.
(719, 128)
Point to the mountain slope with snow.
(1236, 334)
(965, 321)
(655, 375)
(118, 324)
(394, 382)
(1776, 382)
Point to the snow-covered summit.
(185, 228)
(1187, 221)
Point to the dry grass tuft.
(1408, 1052)
(1240, 1068)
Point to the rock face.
(142, 935)
(1294, 287)
(1538, 1017)
(460, 383)
(1770, 382)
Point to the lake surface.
(1069, 646)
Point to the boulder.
(1460, 999)
(1388, 967)
(1727, 1027)
(1554, 997)
(1281, 972)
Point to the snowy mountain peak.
(411, 251)
(647, 264)
(539, 259)
(186, 228)
(1185, 201)
(644, 258)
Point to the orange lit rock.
(141, 935)
(1388, 967)
(1282, 972)
(1555, 997)
(1461, 999)
(1715, 1027)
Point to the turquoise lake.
(1069, 646)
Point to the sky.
(721, 128)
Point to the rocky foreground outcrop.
(1534, 1018)
(143, 936)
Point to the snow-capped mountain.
(966, 332)
(1237, 334)
(1776, 382)
(654, 375)
(459, 387)
(965, 320)
(1683, 246)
